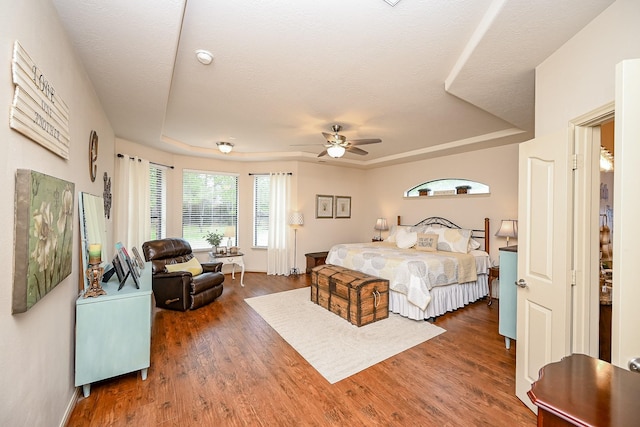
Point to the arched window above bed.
(447, 187)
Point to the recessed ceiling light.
(204, 56)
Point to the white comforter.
(410, 271)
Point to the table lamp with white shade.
(508, 228)
(381, 225)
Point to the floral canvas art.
(44, 236)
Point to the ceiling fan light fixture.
(224, 147)
(336, 151)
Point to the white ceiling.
(428, 77)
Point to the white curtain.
(132, 202)
(278, 248)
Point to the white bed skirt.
(443, 299)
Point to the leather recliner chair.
(180, 290)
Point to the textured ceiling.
(427, 77)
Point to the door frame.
(586, 209)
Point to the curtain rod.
(153, 163)
(251, 174)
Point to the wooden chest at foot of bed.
(357, 297)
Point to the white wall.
(496, 167)
(580, 76)
(37, 347)
(374, 193)
(308, 180)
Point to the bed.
(428, 276)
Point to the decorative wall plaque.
(43, 237)
(106, 195)
(38, 112)
(93, 155)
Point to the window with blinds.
(209, 204)
(261, 210)
(158, 193)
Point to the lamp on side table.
(381, 225)
(508, 228)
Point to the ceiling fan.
(337, 144)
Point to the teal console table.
(113, 331)
(508, 293)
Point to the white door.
(544, 236)
(543, 332)
(625, 343)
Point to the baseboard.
(70, 407)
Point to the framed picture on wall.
(324, 206)
(343, 207)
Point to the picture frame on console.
(125, 267)
(138, 258)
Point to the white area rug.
(333, 346)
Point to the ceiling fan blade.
(356, 150)
(324, 153)
(333, 138)
(304, 145)
(364, 141)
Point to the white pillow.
(406, 239)
(419, 228)
(394, 230)
(452, 239)
(473, 245)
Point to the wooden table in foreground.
(584, 391)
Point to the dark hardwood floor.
(222, 365)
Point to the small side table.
(494, 273)
(583, 391)
(233, 259)
(315, 259)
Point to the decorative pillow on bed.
(427, 242)
(394, 231)
(473, 245)
(419, 228)
(406, 239)
(452, 239)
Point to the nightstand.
(507, 318)
(494, 273)
(315, 259)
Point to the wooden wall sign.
(38, 112)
